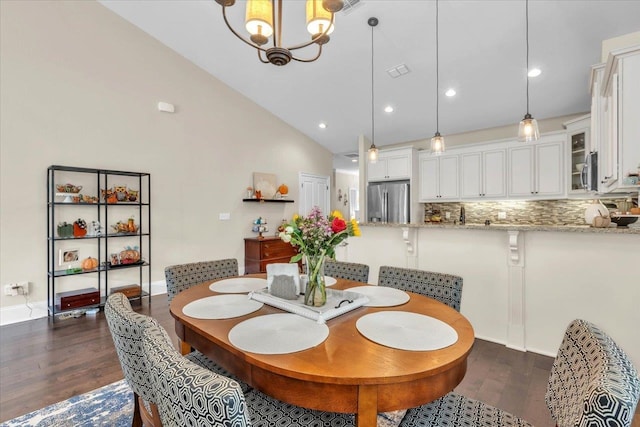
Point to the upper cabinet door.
(494, 168)
(448, 175)
(377, 171)
(549, 170)
(429, 178)
(471, 175)
(399, 167)
(521, 171)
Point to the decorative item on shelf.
(89, 263)
(69, 188)
(128, 227)
(260, 226)
(79, 228)
(65, 230)
(259, 195)
(265, 185)
(128, 256)
(282, 192)
(120, 194)
(249, 192)
(95, 229)
(316, 237)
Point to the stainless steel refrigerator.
(388, 202)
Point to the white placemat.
(238, 285)
(277, 334)
(328, 281)
(221, 307)
(382, 296)
(406, 331)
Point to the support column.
(516, 284)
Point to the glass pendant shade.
(437, 144)
(373, 154)
(259, 20)
(528, 130)
(318, 18)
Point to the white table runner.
(221, 307)
(406, 331)
(277, 334)
(382, 296)
(238, 285)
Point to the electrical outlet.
(447, 215)
(15, 289)
(502, 215)
(25, 287)
(10, 290)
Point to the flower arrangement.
(316, 238)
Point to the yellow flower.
(337, 214)
(355, 227)
(295, 217)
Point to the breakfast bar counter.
(566, 228)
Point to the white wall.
(567, 275)
(80, 87)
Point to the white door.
(549, 170)
(448, 177)
(314, 191)
(521, 171)
(494, 169)
(471, 175)
(428, 178)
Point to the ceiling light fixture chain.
(264, 20)
(437, 141)
(373, 150)
(528, 129)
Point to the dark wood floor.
(43, 363)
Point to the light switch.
(224, 216)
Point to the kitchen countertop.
(633, 229)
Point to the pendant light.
(528, 130)
(437, 141)
(373, 150)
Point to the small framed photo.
(68, 257)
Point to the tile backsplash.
(534, 212)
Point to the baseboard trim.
(38, 309)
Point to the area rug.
(111, 405)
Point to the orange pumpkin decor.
(79, 228)
(283, 189)
(89, 263)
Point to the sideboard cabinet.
(260, 252)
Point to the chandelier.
(264, 20)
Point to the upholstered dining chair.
(445, 288)
(126, 328)
(592, 383)
(189, 395)
(347, 270)
(183, 276)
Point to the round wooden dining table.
(347, 372)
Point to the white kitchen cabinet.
(438, 177)
(619, 150)
(391, 165)
(536, 171)
(483, 174)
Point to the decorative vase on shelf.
(315, 294)
(596, 210)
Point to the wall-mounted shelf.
(268, 200)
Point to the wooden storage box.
(260, 252)
(78, 298)
(130, 291)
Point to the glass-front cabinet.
(578, 144)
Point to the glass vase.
(315, 294)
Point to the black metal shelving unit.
(101, 211)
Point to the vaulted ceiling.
(481, 51)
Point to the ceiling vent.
(398, 70)
(351, 155)
(349, 5)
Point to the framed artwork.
(266, 184)
(67, 257)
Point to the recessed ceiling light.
(354, 160)
(322, 125)
(534, 72)
(450, 92)
(388, 109)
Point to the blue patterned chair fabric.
(445, 288)
(183, 276)
(189, 395)
(347, 270)
(592, 384)
(592, 380)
